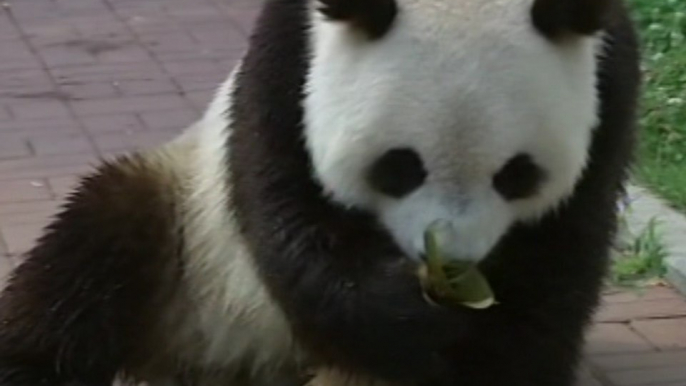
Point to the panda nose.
(397, 173)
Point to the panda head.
(475, 112)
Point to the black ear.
(373, 17)
(554, 18)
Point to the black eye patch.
(519, 178)
(374, 17)
(397, 173)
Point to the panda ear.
(554, 18)
(372, 17)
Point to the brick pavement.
(86, 78)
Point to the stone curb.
(644, 206)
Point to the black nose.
(397, 173)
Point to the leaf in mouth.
(449, 279)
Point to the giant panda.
(277, 240)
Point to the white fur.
(468, 84)
(223, 318)
(236, 316)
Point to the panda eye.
(397, 173)
(519, 178)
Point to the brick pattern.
(82, 79)
(640, 339)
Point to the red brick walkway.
(83, 78)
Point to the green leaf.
(453, 280)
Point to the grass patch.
(662, 151)
(641, 261)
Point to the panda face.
(462, 111)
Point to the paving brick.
(56, 144)
(191, 53)
(238, 4)
(15, 49)
(106, 72)
(146, 87)
(105, 28)
(624, 312)
(36, 109)
(123, 142)
(609, 338)
(635, 361)
(173, 119)
(6, 267)
(200, 99)
(16, 260)
(63, 186)
(65, 56)
(32, 92)
(27, 128)
(34, 10)
(588, 381)
(127, 54)
(192, 14)
(29, 212)
(24, 190)
(39, 133)
(96, 23)
(585, 378)
(675, 375)
(130, 105)
(88, 23)
(185, 67)
(20, 238)
(82, 5)
(653, 293)
(5, 114)
(7, 30)
(43, 35)
(243, 19)
(23, 82)
(158, 24)
(90, 90)
(45, 166)
(3, 248)
(96, 45)
(666, 334)
(215, 35)
(13, 148)
(100, 124)
(19, 64)
(199, 82)
(25, 208)
(168, 42)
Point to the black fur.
(397, 173)
(555, 18)
(81, 307)
(351, 296)
(373, 17)
(519, 178)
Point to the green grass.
(662, 151)
(640, 262)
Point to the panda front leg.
(82, 305)
(531, 368)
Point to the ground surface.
(84, 78)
